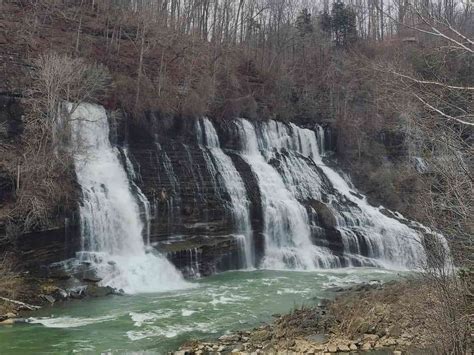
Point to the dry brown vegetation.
(269, 60)
(393, 80)
(41, 163)
(413, 312)
(11, 283)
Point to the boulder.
(325, 216)
(261, 335)
(91, 276)
(99, 291)
(77, 293)
(11, 321)
(378, 345)
(318, 348)
(317, 338)
(229, 338)
(332, 348)
(8, 321)
(343, 348)
(48, 298)
(370, 337)
(389, 342)
(60, 294)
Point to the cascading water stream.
(111, 228)
(295, 185)
(286, 226)
(140, 196)
(239, 204)
(389, 243)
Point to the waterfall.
(145, 204)
(286, 224)
(369, 236)
(111, 228)
(389, 242)
(321, 140)
(312, 217)
(233, 184)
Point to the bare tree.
(438, 107)
(45, 165)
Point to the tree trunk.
(140, 65)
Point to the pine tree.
(343, 24)
(303, 23)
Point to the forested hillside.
(391, 83)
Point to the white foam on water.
(69, 322)
(140, 319)
(228, 299)
(290, 291)
(187, 312)
(170, 331)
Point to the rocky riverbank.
(361, 318)
(31, 293)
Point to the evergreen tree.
(343, 21)
(325, 23)
(303, 23)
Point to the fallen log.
(22, 304)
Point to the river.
(160, 322)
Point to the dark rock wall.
(191, 221)
(190, 217)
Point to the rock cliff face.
(190, 221)
(190, 218)
(191, 213)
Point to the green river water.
(157, 323)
